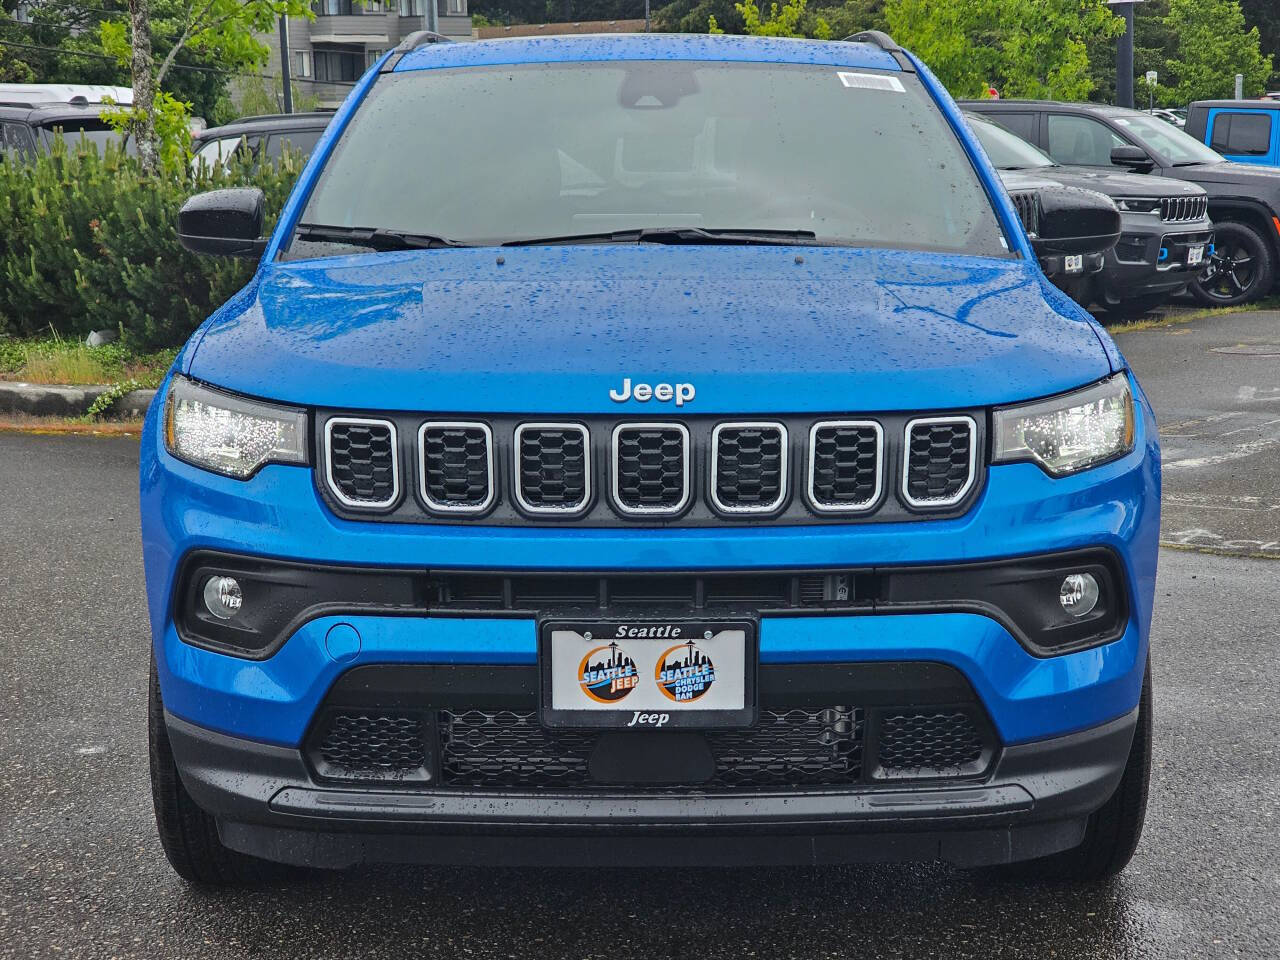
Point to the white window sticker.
(871, 81)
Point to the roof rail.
(419, 38)
(262, 117)
(878, 38)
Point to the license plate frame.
(633, 711)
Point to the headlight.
(228, 434)
(1138, 204)
(1069, 433)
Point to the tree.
(1024, 48)
(782, 21)
(1212, 45)
(221, 29)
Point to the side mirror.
(1135, 158)
(1074, 222)
(223, 223)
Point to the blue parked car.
(1246, 131)
(648, 450)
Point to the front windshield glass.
(485, 155)
(1165, 139)
(1007, 151)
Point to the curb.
(48, 400)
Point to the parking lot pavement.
(81, 874)
(1215, 384)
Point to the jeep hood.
(554, 329)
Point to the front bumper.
(1151, 259)
(1035, 802)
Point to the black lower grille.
(940, 461)
(509, 750)
(943, 742)
(373, 746)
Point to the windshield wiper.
(677, 235)
(377, 238)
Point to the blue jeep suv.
(643, 450)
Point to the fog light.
(222, 597)
(1079, 594)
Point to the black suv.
(1244, 200)
(1165, 228)
(259, 137)
(28, 127)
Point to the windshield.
(89, 131)
(1176, 147)
(1007, 151)
(485, 155)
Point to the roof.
(41, 113)
(269, 122)
(1238, 104)
(646, 46)
(33, 93)
(1084, 106)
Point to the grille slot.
(748, 467)
(553, 468)
(362, 462)
(509, 750)
(939, 743)
(845, 465)
(939, 460)
(373, 746)
(1027, 204)
(456, 466)
(651, 468)
(1183, 209)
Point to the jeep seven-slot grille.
(939, 461)
(599, 471)
(1027, 203)
(363, 469)
(651, 468)
(845, 466)
(552, 472)
(750, 469)
(457, 466)
(1183, 209)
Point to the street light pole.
(1124, 58)
(646, 16)
(284, 64)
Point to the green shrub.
(87, 242)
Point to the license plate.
(648, 674)
(1074, 263)
(1195, 255)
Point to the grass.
(70, 362)
(1186, 316)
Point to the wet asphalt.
(81, 874)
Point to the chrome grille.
(845, 465)
(456, 466)
(1183, 209)
(749, 467)
(362, 463)
(553, 467)
(939, 461)
(651, 468)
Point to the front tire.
(188, 835)
(1112, 834)
(1241, 270)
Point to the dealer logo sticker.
(607, 674)
(684, 673)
